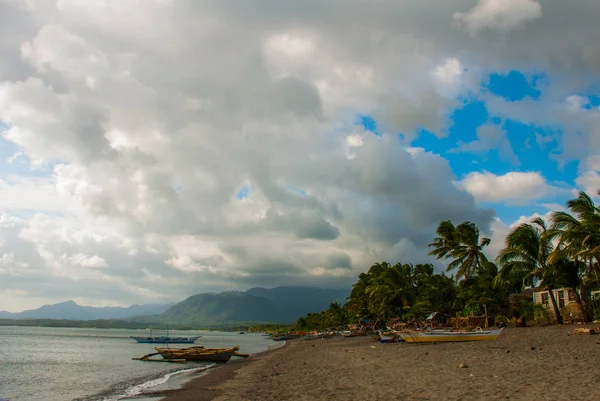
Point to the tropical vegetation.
(561, 252)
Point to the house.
(565, 299)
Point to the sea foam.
(140, 388)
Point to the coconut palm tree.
(578, 233)
(359, 301)
(461, 244)
(578, 239)
(392, 290)
(525, 258)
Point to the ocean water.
(62, 364)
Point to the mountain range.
(71, 311)
(256, 305)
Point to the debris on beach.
(463, 366)
(586, 331)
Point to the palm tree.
(579, 233)
(578, 236)
(462, 245)
(335, 315)
(359, 301)
(392, 291)
(526, 257)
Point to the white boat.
(384, 338)
(435, 336)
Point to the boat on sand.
(434, 336)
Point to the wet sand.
(542, 363)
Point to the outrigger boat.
(165, 339)
(199, 354)
(434, 336)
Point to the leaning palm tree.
(462, 245)
(525, 259)
(578, 239)
(578, 233)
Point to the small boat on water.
(199, 354)
(164, 339)
(449, 335)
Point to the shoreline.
(199, 386)
(523, 363)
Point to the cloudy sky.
(154, 149)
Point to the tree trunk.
(559, 318)
(584, 298)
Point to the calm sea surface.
(62, 364)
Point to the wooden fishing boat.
(435, 336)
(199, 354)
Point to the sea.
(62, 364)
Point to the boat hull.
(165, 340)
(198, 354)
(450, 336)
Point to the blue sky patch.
(243, 192)
(367, 122)
(515, 85)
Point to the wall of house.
(566, 301)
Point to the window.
(545, 298)
(571, 296)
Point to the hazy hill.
(71, 311)
(276, 305)
(257, 305)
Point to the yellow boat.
(436, 336)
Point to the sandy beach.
(542, 363)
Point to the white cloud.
(449, 74)
(513, 187)
(589, 176)
(80, 259)
(31, 193)
(589, 181)
(489, 137)
(500, 15)
(152, 115)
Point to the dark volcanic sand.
(541, 363)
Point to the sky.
(155, 149)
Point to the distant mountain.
(71, 311)
(257, 305)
